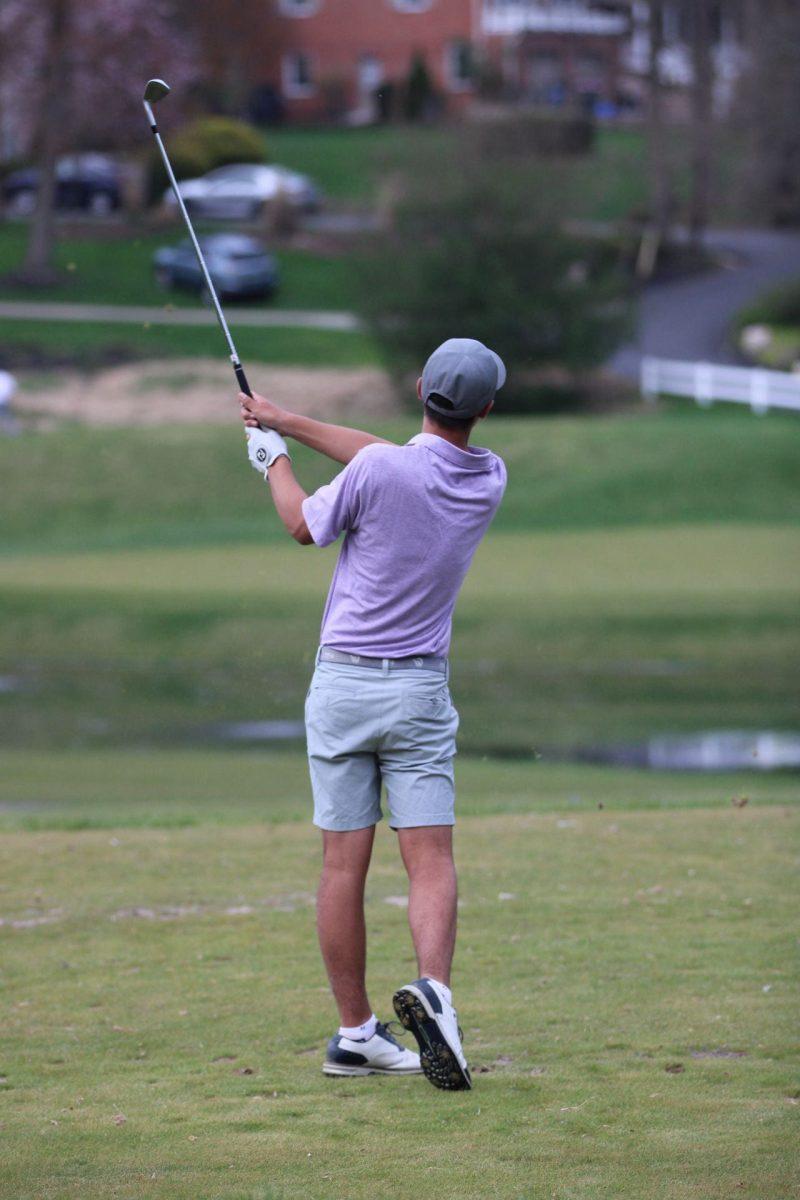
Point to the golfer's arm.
(336, 441)
(288, 497)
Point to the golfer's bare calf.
(428, 856)
(340, 919)
(433, 891)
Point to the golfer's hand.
(257, 410)
(263, 447)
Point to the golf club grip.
(242, 379)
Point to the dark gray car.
(239, 266)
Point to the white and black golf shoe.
(423, 1008)
(381, 1054)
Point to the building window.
(459, 66)
(297, 75)
(411, 6)
(298, 8)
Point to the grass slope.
(575, 638)
(148, 615)
(623, 982)
(99, 343)
(663, 468)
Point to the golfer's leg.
(433, 892)
(340, 919)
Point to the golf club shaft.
(237, 366)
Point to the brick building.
(330, 57)
(336, 54)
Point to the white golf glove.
(263, 447)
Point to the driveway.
(690, 319)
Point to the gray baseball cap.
(465, 373)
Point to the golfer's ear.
(419, 388)
(485, 411)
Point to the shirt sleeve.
(335, 506)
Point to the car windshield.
(227, 246)
(71, 166)
(237, 173)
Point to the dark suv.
(87, 182)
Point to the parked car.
(238, 191)
(88, 182)
(239, 266)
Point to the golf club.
(154, 91)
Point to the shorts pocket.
(427, 706)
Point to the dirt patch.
(197, 391)
(287, 903)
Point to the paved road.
(129, 314)
(690, 319)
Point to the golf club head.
(155, 90)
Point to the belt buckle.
(417, 662)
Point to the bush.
(541, 132)
(781, 306)
(474, 246)
(206, 143)
(420, 101)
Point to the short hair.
(440, 419)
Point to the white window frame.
(451, 51)
(299, 8)
(291, 89)
(411, 6)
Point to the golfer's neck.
(458, 437)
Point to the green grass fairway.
(87, 489)
(623, 981)
(560, 639)
(167, 789)
(641, 577)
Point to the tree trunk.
(40, 258)
(660, 188)
(702, 99)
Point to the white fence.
(708, 383)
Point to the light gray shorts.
(368, 727)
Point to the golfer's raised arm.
(269, 454)
(335, 441)
(288, 497)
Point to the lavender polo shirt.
(412, 516)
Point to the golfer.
(378, 712)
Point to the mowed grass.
(560, 640)
(134, 614)
(168, 789)
(624, 981)
(609, 184)
(118, 269)
(90, 344)
(84, 489)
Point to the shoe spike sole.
(437, 1060)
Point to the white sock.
(359, 1033)
(448, 995)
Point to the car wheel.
(22, 203)
(100, 204)
(163, 278)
